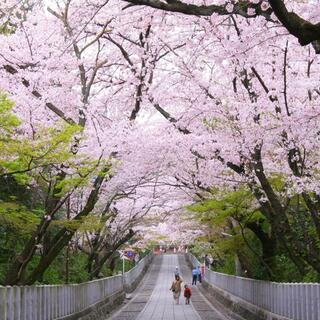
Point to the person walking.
(176, 271)
(194, 276)
(176, 288)
(187, 293)
(199, 274)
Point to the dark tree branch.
(285, 79)
(11, 70)
(64, 236)
(305, 31)
(240, 8)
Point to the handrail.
(48, 302)
(297, 301)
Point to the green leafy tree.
(45, 166)
(241, 231)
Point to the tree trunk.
(268, 245)
(298, 251)
(16, 271)
(109, 253)
(63, 237)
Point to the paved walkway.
(135, 302)
(205, 304)
(153, 300)
(161, 304)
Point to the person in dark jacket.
(187, 293)
(199, 274)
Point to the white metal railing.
(298, 301)
(48, 302)
(45, 302)
(133, 274)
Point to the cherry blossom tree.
(29, 71)
(239, 131)
(219, 97)
(245, 142)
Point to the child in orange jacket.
(187, 293)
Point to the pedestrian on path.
(199, 274)
(176, 271)
(187, 293)
(176, 288)
(194, 275)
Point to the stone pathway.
(161, 305)
(153, 300)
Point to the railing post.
(3, 302)
(28, 301)
(308, 299)
(10, 314)
(23, 302)
(296, 301)
(303, 302)
(68, 300)
(286, 293)
(290, 300)
(73, 299)
(35, 302)
(39, 298)
(55, 301)
(316, 301)
(44, 301)
(49, 300)
(17, 302)
(59, 300)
